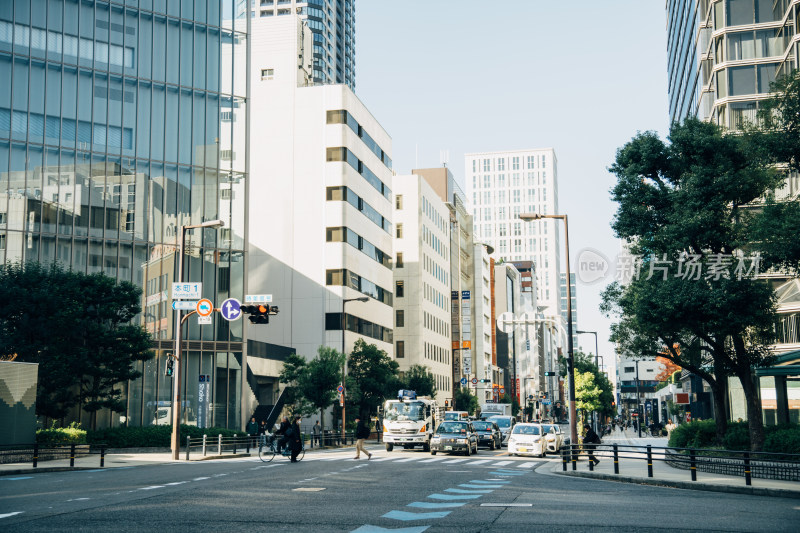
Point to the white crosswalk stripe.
(409, 459)
(502, 463)
(433, 459)
(454, 461)
(527, 465)
(480, 462)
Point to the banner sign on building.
(204, 401)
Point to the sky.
(581, 77)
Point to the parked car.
(488, 434)
(527, 439)
(454, 436)
(554, 437)
(505, 423)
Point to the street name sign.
(187, 305)
(187, 291)
(258, 298)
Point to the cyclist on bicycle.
(282, 432)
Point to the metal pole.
(176, 378)
(344, 369)
(638, 402)
(573, 427)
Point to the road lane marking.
(15, 479)
(200, 478)
(12, 514)
(308, 489)
(177, 483)
(435, 505)
(454, 461)
(453, 496)
(506, 505)
(527, 465)
(78, 499)
(408, 459)
(502, 463)
(405, 516)
(470, 486)
(508, 474)
(152, 487)
(492, 481)
(433, 459)
(463, 491)
(379, 459)
(480, 462)
(367, 528)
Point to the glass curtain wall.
(120, 122)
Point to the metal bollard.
(591, 464)
(616, 459)
(693, 465)
(574, 451)
(102, 456)
(649, 460)
(188, 445)
(219, 444)
(205, 444)
(747, 478)
(564, 459)
(236, 440)
(35, 454)
(72, 455)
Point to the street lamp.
(176, 378)
(573, 428)
(344, 372)
(596, 363)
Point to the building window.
(630, 369)
(399, 231)
(267, 74)
(400, 318)
(398, 290)
(399, 260)
(398, 202)
(400, 351)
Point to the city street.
(406, 490)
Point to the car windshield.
(482, 426)
(405, 411)
(452, 427)
(503, 422)
(525, 430)
(550, 428)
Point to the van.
(457, 415)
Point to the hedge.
(125, 437)
(703, 434)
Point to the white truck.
(409, 421)
(492, 409)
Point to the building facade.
(333, 27)
(116, 127)
(422, 328)
(573, 289)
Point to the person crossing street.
(362, 433)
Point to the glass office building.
(120, 122)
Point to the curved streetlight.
(176, 379)
(573, 428)
(344, 370)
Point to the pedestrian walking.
(362, 433)
(295, 438)
(252, 430)
(316, 431)
(590, 441)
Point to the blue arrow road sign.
(184, 305)
(463, 381)
(231, 309)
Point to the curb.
(689, 485)
(38, 470)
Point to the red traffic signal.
(259, 314)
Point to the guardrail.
(34, 453)
(219, 445)
(764, 465)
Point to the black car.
(488, 434)
(454, 437)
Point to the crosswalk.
(444, 460)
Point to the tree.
(318, 381)
(587, 393)
(418, 378)
(292, 374)
(507, 398)
(682, 205)
(85, 344)
(464, 400)
(371, 378)
(585, 363)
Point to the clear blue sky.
(581, 77)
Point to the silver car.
(506, 424)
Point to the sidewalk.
(634, 470)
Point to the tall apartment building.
(333, 27)
(573, 289)
(320, 204)
(116, 126)
(501, 186)
(422, 328)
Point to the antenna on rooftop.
(444, 157)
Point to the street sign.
(205, 308)
(546, 402)
(474, 381)
(187, 291)
(502, 390)
(231, 309)
(340, 389)
(186, 305)
(463, 381)
(530, 396)
(258, 298)
(203, 320)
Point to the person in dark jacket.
(252, 430)
(295, 443)
(362, 433)
(282, 432)
(590, 441)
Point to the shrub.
(151, 436)
(782, 439)
(737, 437)
(696, 434)
(54, 436)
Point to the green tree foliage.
(292, 374)
(79, 329)
(585, 363)
(317, 384)
(372, 376)
(507, 398)
(418, 378)
(587, 393)
(682, 203)
(464, 400)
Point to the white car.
(527, 439)
(554, 437)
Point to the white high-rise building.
(422, 331)
(501, 186)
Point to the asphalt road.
(408, 491)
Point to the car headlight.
(461, 440)
(511, 441)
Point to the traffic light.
(259, 314)
(484, 380)
(447, 404)
(549, 373)
(170, 368)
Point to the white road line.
(527, 465)
(480, 462)
(152, 487)
(77, 499)
(454, 461)
(200, 478)
(11, 514)
(379, 459)
(408, 459)
(433, 459)
(177, 483)
(502, 463)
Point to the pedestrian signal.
(170, 368)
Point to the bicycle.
(268, 450)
